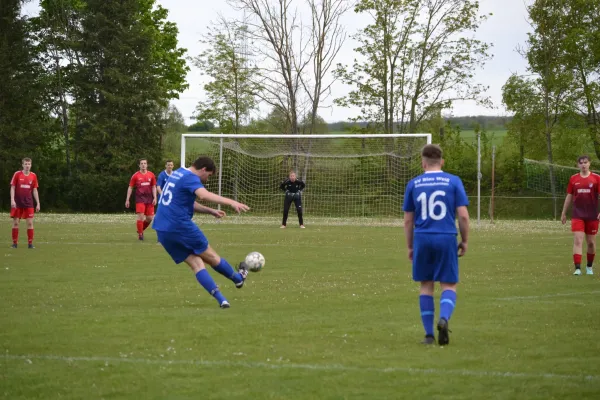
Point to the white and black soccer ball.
(255, 261)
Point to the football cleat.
(30, 246)
(577, 271)
(282, 226)
(225, 304)
(443, 337)
(14, 246)
(428, 340)
(302, 227)
(589, 271)
(243, 271)
(141, 237)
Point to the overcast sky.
(505, 29)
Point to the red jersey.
(24, 185)
(585, 196)
(143, 184)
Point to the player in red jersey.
(23, 189)
(144, 182)
(583, 189)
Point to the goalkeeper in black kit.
(293, 194)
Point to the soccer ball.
(255, 261)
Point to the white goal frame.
(220, 137)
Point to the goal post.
(347, 176)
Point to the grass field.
(92, 313)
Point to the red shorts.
(590, 227)
(146, 209)
(22, 213)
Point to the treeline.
(84, 91)
(466, 123)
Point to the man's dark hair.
(205, 162)
(142, 159)
(168, 161)
(432, 153)
(583, 157)
(26, 159)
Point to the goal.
(348, 177)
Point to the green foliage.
(26, 129)
(231, 89)
(417, 57)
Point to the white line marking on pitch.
(315, 367)
(544, 296)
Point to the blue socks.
(209, 284)
(427, 313)
(447, 304)
(227, 271)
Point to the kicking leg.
(224, 268)
(204, 278)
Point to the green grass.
(496, 136)
(93, 313)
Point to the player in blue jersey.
(182, 238)
(431, 203)
(163, 177)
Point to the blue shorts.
(435, 257)
(183, 243)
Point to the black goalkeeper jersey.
(292, 187)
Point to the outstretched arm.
(205, 195)
(200, 209)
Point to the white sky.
(505, 29)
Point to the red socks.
(15, 235)
(140, 228)
(29, 236)
(146, 224)
(590, 259)
(577, 259)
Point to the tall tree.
(131, 68)
(231, 90)
(416, 58)
(276, 29)
(25, 127)
(580, 19)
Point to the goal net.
(539, 176)
(347, 177)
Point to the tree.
(231, 91)
(131, 68)
(273, 27)
(580, 20)
(26, 129)
(416, 58)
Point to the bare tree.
(277, 31)
(327, 37)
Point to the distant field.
(93, 313)
(496, 135)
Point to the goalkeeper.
(293, 193)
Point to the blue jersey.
(177, 202)
(163, 177)
(434, 197)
